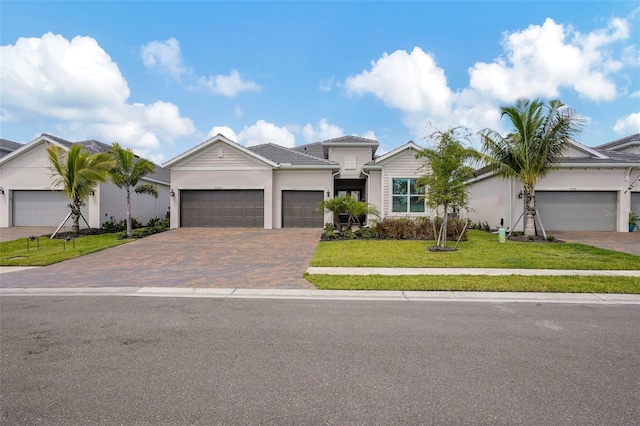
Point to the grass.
(518, 283)
(14, 253)
(482, 250)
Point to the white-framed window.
(350, 162)
(405, 196)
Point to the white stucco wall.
(338, 154)
(299, 180)
(490, 197)
(143, 206)
(222, 179)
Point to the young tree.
(77, 173)
(534, 147)
(448, 168)
(127, 172)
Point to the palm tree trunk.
(129, 224)
(530, 206)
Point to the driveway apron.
(628, 242)
(187, 257)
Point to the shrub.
(113, 226)
(421, 228)
(366, 233)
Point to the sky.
(162, 77)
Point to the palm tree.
(77, 172)
(534, 148)
(127, 172)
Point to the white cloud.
(77, 82)
(55, 77)
(323, 132)
(407, 81)
(370, 135)
(164, 56)
(628, 124)
(635, 94)
(224, 131)
(265, 132)
(326, 84)
(540, 60)
(228, 85)
(237, 111)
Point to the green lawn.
(555, 284)
(482, 250)
(14, 253)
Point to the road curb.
(365, 295)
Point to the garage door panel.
(577, 210)
(40, 208)
(222, 208)
(300, 209)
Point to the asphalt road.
(118, 360)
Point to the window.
(349, 162)
(406, 196)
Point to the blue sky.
(161, 77)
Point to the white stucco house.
(591, 190)
(220, 183)
(28, 199)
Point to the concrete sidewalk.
(467, 271)
(365, 295)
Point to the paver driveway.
(628, 242)
(187, 257)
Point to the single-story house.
(592, 189)
(220, 183)
(27, 197)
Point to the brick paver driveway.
(187, 257)
(628, 242)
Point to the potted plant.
(633, 218)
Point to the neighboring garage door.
(635, 202)
(39, 208)
(300, 209)
(222, 208)
(577, 211)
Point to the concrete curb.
(314, 270)
(400, 296)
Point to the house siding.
(362, 155)
(402, 165)
(208, 158)
(299, 180)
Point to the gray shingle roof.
(282, 155)
(314, 149)
(618, 142)
(94, 146)
(9, 145)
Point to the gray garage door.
(577, 211)
(300, 209)
(39, 208)
(222, 208)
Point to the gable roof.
(407, 146)
(93, 146)
(209, 142)
(290, 157)
(8, 146)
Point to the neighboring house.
(589, 191)
(7, 147)
(28, 198)
(220, 183)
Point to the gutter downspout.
(510, 204)
(368, 188)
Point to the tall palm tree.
(77, 173)
(127, 172)
(534, 148)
